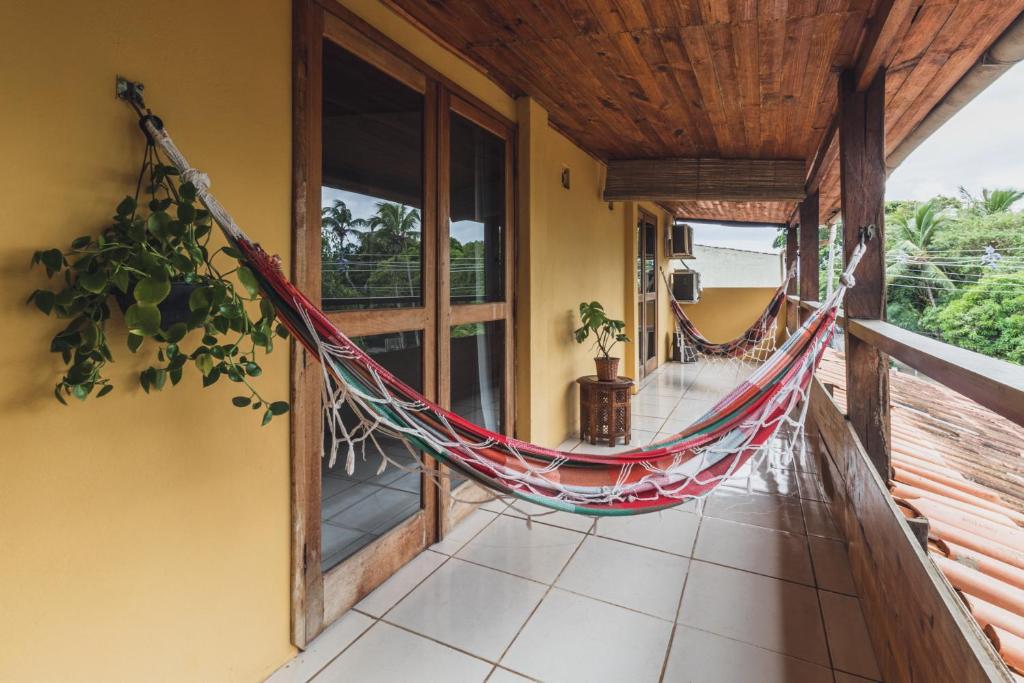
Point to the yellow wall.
(725, 313)
(141, 537)
(571, 249)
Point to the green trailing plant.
(158, 242)
(607, 331)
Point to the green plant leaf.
(81, 242)
(126, 206)
(186, 212)
(248, 280)
(58, 394)
(44, 300)
(279, 407)
(142, 319)
(159, 379)
(134, 342)
(205, 364)
(92, 282)
(175, 333)
(267, 417)
(120, 280)
(157, 223)
(106, 389)
(153, 289)
(53, 260)
(199, 299)
(241, 401)
(211, 378)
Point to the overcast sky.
(982, 146)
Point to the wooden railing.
(993, 383)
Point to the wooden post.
(792, 251)
(809, 250)
(862, 181)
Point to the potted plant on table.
(177, 292)
(607, 333)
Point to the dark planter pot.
(607, 369)
(174, 309)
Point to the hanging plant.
(155, 263)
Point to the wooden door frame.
(643, 297)
(318, 598)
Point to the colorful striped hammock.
(741, 345)
(661, 475)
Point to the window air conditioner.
(686, 286)
(680, 244)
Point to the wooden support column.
(809, 250)
(792, 252)
(862, 181)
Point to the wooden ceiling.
(747, 79)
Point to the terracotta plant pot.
(607, 369)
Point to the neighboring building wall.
(736, 287)
(142, 537)
(147, 537)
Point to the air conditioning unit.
(680, 243)
(686, 286)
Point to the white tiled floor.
(758, 588)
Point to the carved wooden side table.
(605, 409)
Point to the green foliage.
(148, 247)
(607, 331)
(987, 317)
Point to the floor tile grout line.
(544, 597)
(682, 594)
(817, 598)
(380, 618)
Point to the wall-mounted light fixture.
(565, 177)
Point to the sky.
(982, 146)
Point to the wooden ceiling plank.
(886, 28)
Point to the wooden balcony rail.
(993, 383)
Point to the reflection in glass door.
(647, 293)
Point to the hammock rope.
(755, 344)
(684, 466)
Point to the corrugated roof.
(960, 465)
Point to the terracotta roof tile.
(962, 467)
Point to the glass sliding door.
(403, 232)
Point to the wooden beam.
(862, 183)
(809, 250)
(994, 383)
(919, 628)
(886, 29)
(705, 179)
(823, 158)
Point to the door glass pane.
(650, 234)
(478, 377)
(372, 193)
(477, 213)
(478, 373)
(651, 344)
(359, 508)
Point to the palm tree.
(909, 257)
(338, 218)
(1000, 201)
(397, 224)
(992, 201)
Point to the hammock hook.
(131, 92)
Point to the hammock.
(664, 474)
(762, 329)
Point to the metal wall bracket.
(129, 90)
